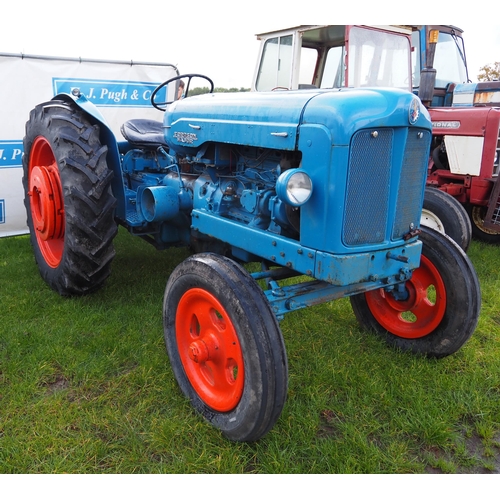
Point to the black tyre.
(479, 232)
(447, 215)
(68, 199)
(443, 304)
(225, 346)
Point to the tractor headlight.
(294, 187)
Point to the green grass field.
(86, 385)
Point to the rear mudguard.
(107, 138)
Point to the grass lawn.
(86, 385)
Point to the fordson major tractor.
(339, 56)
(465, 150)
(324, 186)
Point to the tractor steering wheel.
(162, 106)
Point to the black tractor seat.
(144, 133)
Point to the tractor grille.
(369, 185)
(413, 172)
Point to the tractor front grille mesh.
(368, 217)
(367, 197)
(413, 172)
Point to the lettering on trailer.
(107, 93)
(11, 154)
(2, 211)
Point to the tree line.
(489, 72)
(206, 90)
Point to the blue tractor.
(324, 186)
(326, 56)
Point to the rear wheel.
(225, 346)
(447, 215)
(480, 232)
(70, 208)
(442, 307)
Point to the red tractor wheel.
(209, 349)
(46, 201)
(68, 199)
(225, 346)
(418, 315)
(442, 306)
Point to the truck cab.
(326, 56)
(465, 152)
(442, 49)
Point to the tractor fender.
(108, 139)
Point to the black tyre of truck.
(68, 199)
(479, 232)
(445, 214)
(225, 346)
(443, 304)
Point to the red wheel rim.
(209, 350)
(46, 201)
(423, 310)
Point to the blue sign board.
(11, 154)
(108, 93)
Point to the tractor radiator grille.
(413, 172)
(367, 197)
(368, 219)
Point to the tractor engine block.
(237, 183)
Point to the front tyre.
(69, 205)
(443, 304)
(447, 215)
(225, 346)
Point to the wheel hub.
(420, 313)
(46, 201)
(198, 351)
(46, 204)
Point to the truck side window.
(334, 72)
(378, 59)
(308, 62)
(415, 58)
(448, 61)
(276, 63)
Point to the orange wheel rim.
(46, 201)
(209, 350)
(423, 310)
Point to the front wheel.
(442, 307)
(447, 215)
(225, 346)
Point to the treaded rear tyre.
(479, 232)
(225, 346)
(68, 199)
(443, 320)
(446, 214)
